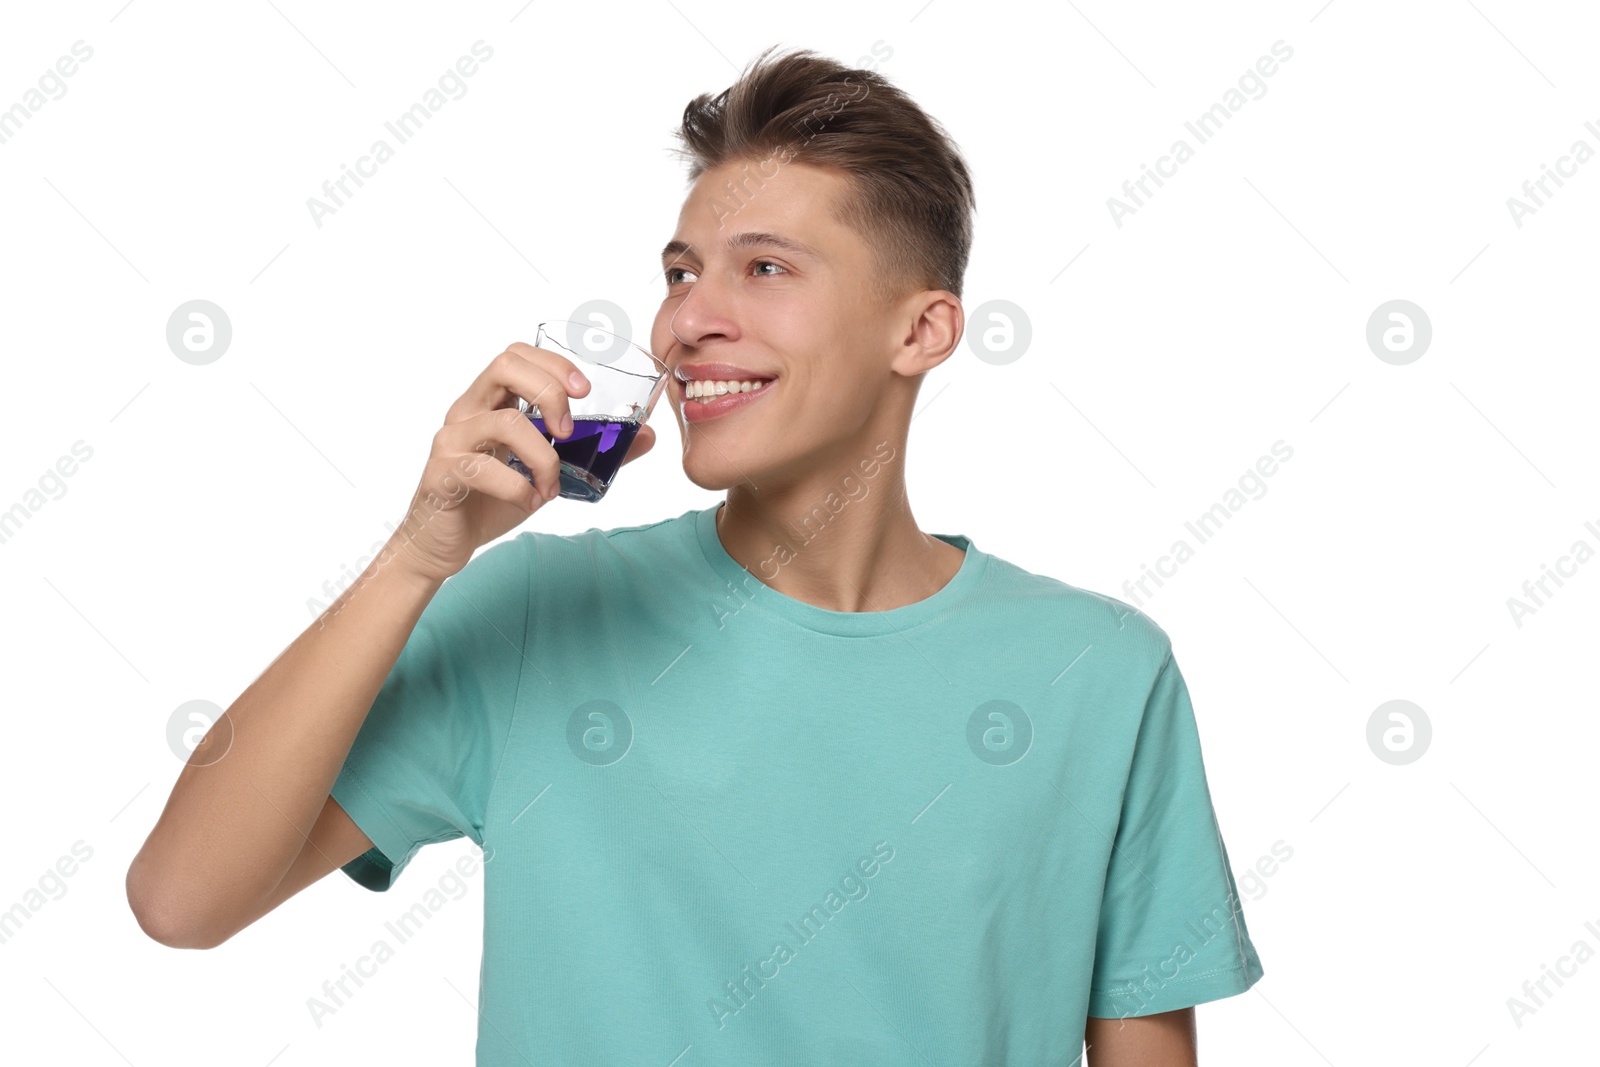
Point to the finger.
(564, 378)
(497, 434)
(485, 474)
(558, 366)
(533, 374)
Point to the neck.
(841, 540)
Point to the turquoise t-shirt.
(724, 826)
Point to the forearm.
(251, 790)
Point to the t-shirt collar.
(752, 589)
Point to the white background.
(1227, 314)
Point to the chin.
(715, 477)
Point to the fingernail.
(566, 423)
(577, 380)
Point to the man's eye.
(672, 272)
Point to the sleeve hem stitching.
(1134, 987)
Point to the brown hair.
(912, 198)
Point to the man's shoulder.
(572, 560)
(1088, 614)
(659, 531)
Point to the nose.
(702, 315)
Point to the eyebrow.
(746, 239)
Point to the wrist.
(399, 561)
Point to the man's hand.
(1164, 1040)
(469, 495)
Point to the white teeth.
(704, 388)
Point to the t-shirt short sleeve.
(422, 765)
(1172, 933)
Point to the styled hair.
(911, 197)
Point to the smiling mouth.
(702, 391)
(696, 410)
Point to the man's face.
(805, 317)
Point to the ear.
(934, 322)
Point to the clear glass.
(625, 381)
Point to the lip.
(718, 372)
(697, 411)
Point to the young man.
(783, 780)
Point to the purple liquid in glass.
(590, 455)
